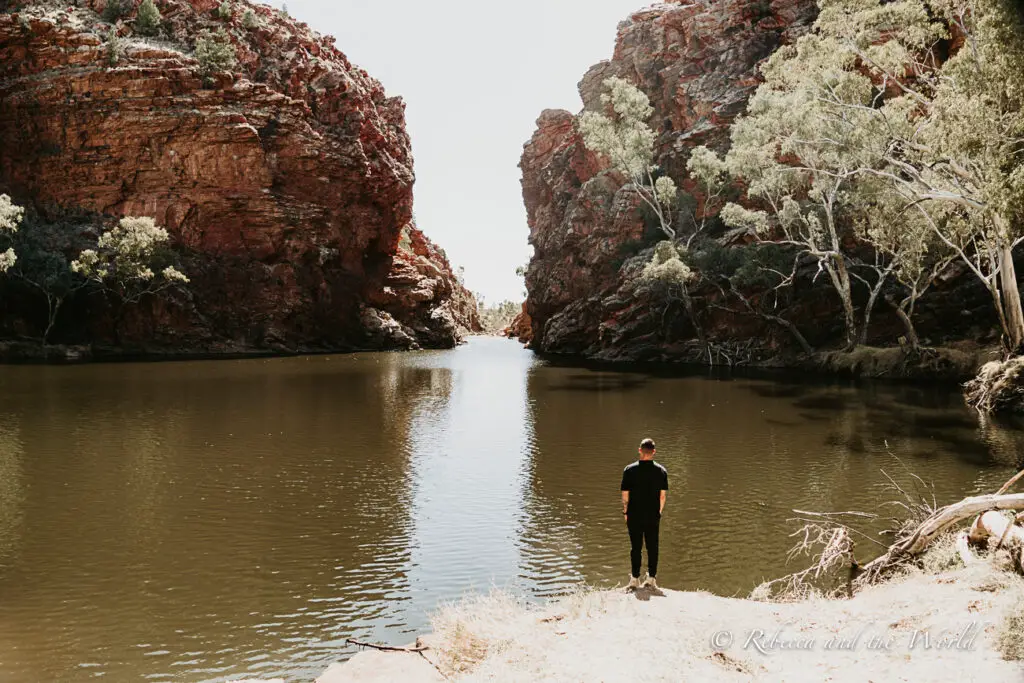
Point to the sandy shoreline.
(920, 627)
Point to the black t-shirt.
(645, 480)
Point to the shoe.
(634, 582)
(651, 582)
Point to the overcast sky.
(475, 76)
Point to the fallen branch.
(939, 522)
(1009, 485)
(386, 648)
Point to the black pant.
(640, 532)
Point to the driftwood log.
(988, 522)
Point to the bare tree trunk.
(872, 299)
(908, 324)
(941, 520)
(54, 304)
(1012, 311)
(836, 267)
(794, 330)
(688, 304)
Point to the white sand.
(616, 636)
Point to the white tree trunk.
(1012, 311)
(836, 268)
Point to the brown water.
(201, 521)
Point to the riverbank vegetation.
(882, 151)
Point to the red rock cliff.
(287, 184)
(697, 62)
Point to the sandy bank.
(922, 627)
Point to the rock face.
(423, 297)
(520, 328)
(286, 184)
(698, 63)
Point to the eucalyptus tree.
(131, 261)
(10, 218)
(863, 115)
(625, 138)
(125, 257)
(945, 133)
(801, 161)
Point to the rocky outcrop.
(520, 328)
(422, 297)
(698, 63)
(286, 184)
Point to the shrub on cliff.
(250, 20)
(115, 48)
(215, 53)
(147, 20)
(225, 12)
(114, 11)
(666, 268)
(628, 142)
(666, 276)
(10, 218)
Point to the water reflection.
(209, 521)
(742, 454)
(12, 492)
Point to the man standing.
(644, 489)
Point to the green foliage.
(114, 11)
(628, 142)
(249, 19)
(224, 11)
(11, 216)
(147, 20)
(921, 157)
(131, 260)
(115, 48)
(751, 267)
(666, 270)
(44, 264)
(215, 53)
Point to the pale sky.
(475, 76)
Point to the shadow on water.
(600, 382)
(823, 402)
(852, 444)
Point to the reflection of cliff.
(263, 505)
(742, 455)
